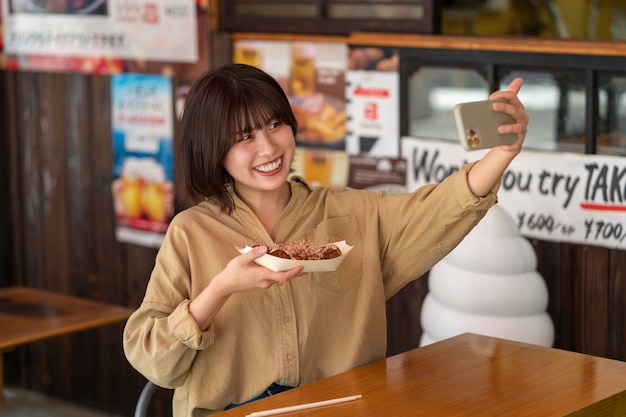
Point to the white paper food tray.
(280, 264)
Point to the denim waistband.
(271, 390)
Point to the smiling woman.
(213, 313)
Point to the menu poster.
(372, 93)
(137, 29)
(142, 126)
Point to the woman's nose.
(265, 143)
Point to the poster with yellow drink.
(142, 128)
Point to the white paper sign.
(163, 30)
(563, 197)
(373, 125)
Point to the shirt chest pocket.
(349, 273)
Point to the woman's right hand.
(240, 274)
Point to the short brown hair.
(222, 103)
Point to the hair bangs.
(255, 108)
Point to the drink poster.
(137, 29)
(142, 126)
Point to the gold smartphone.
(477, 124)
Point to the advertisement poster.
(372, 93)
(142, 126)
(562, 197)
(137, 29)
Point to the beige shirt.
(312, 327)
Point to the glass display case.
(576, 103)
(612, 112)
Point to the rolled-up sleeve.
(185, 328)
(161, 338)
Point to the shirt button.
(287, 320)
(290, 357)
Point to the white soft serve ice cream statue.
(488, 285)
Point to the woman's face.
(261, 160)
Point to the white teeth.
(270, 167)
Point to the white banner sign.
(561, 197)
(133, 29)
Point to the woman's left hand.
(514, 107)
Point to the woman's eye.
(243, 137)
(274, 125)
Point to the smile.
(272, 166)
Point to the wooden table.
(467, 375)
(29, 314)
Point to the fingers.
(514, 107)
(285, 276)
(281, 276)
(511, 92)
(259, 251)
(512, 104)
(515, 85)
(254, 253)
(268, 278)
(247, 275)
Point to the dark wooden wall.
(57, 233)
(57, 134)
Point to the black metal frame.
(328, 25)
(592, 70)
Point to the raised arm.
(486, 172)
